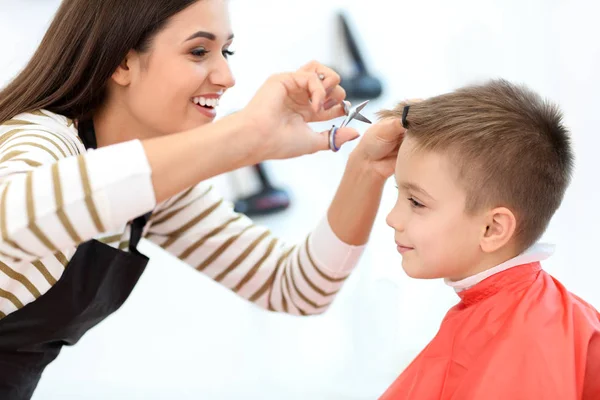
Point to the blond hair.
(508, 144)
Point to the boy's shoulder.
(548, 305)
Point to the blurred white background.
(201, 341)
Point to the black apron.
(95, 283)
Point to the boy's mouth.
(403, 248)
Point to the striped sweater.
(55, 195)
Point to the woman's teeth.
(204, 102)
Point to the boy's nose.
(393, 221)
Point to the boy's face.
(435, 236)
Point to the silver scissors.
(351, 113)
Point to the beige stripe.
(62, 259)
(89, 200)
(44, 271)
(238, 261)
(39, 113)
(310, 283)
(323, 275)
(3, 220)
(9, 257)
(37, 145)
(12, 298)
(31, 163)
(177, 201)
(256, 266)
(60, 205)
(221, 249)
(173, 236)
(33, 127)
(209, 235)
(287, 285)
(124, 245)
(269, 283)
(110, 239)
(2, 315)
(302, 296)
(11, 155)
(72, 147)
(171, 214)
(31, 214)
(12, 122)
(38, 136)
(284, 303)
(6, 136)
(20, 278)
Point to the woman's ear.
(499, 230)
(124, 73)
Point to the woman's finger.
(316, 90)
(329, 77)
(342, 135)
(335, 97)
(326, 115)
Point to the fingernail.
(330, 103)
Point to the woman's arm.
(57, 199)
(201, 229)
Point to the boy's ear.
(499, 230)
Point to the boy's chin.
(417, 271)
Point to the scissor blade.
(361, 106)
(362, 118)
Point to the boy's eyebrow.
(415, 188)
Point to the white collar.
(537, 252)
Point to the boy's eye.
(415, 203)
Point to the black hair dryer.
(362, 85)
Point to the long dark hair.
(84, 45)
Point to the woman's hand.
(279, 113)
(378, 149)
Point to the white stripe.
(74, 199)
(6, 306)
(121, 180)
(275, 293)
(17, 288)
(292, 309)
(235, 276)
(310, 271)
(265, 270)
(52, 142)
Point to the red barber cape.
(516, 335)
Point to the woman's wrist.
(359, 165)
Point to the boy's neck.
(493, 265)
(487, 261)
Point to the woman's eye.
(227, 53)
(199, 52)
(415, 203)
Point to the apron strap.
(137, 228)
(87, 134)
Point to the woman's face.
(176, 85)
